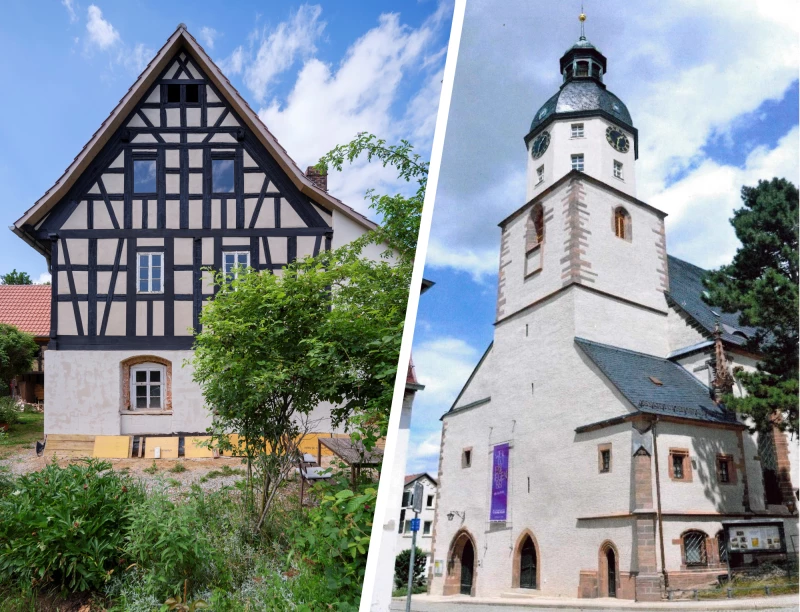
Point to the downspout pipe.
(658, 506)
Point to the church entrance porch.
(461, 570)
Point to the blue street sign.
(415, 524)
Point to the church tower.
(583, 225)
(582, 127)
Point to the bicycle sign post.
(417, 508)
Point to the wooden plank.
(191, 450)
(168, 446)
(72, 437)
(111, 447)
(68, 445)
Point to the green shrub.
(401, 563)
(178, 468)
(9, 411)
(65, 525)
(169, 544)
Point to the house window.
(407, 497)
(466, 458)
(429, 502)
(144, 175)
(402, 521)
(539, 174)
(426, 527)
(725, 469)
(147, 386)
(577, 130)
(222, 175)
(407, 527)
(192, 94)
(150, 273)
(622, 224)
(232, 259)
(173, 93)
(618, 170)
(679, 466)
(577, 162)
(694, 549)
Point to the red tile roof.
(26, 307)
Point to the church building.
(588, 454)
(181, 176)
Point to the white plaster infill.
(517, 599)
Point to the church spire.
(582, 19)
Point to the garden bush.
(64, 526)
(401, 563)
(9, 411)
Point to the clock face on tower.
(617, 139)
(540, 144)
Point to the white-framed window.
(618, 170)
(231, 259)
(148, 381)
(577, 162)
(426, 527)
(539, 174)
(150, 273)
(429, 502)
(577, 130)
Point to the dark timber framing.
(126, 227)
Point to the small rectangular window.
(724, 475)
(149, 277)
(222, 172)
(605, 461)
(678, 472)
(426, 527)
(577, 162)
(539, 174)
(144, 175)
(577, 130)
(192, 94)
(402, 521)
(617, 169)
(725, 469)
(406, 496)
(466, 458)
(429, 501)
(407, 527)
(173, 94)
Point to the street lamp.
(454, 513)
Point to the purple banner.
(499, 508)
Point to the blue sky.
(317, 73)
(712, 89)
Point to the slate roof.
(686, 291)
(679, 395)
(27, 307)
(582, 95)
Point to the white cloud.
(423, 454)
(207, 36)
(690, 71)
(136, 59)
(234, 63)
(70, 6)
(101, 32)
(329, 105)
(43, 278)
(279, 49)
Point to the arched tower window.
(694, 549)
(622, 224)
(534, 231)
(582, 69)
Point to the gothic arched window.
(694, 549)
(622, 224)
(534, 230)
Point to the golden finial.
(582, 18)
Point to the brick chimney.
(319, 180)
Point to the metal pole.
(411, 565)
(728, 554)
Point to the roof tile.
(27, 307)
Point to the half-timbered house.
(181, 176)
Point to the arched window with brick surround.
(534, 228)
(694, 549)
(622, 224)
(146, 382)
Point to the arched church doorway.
(527, 565)
(467, 568)
(609, 570)
(461, 568)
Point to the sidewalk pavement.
(510, 602)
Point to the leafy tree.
(761, 283)
(15, 278)
(17, 350)
(401, 563)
